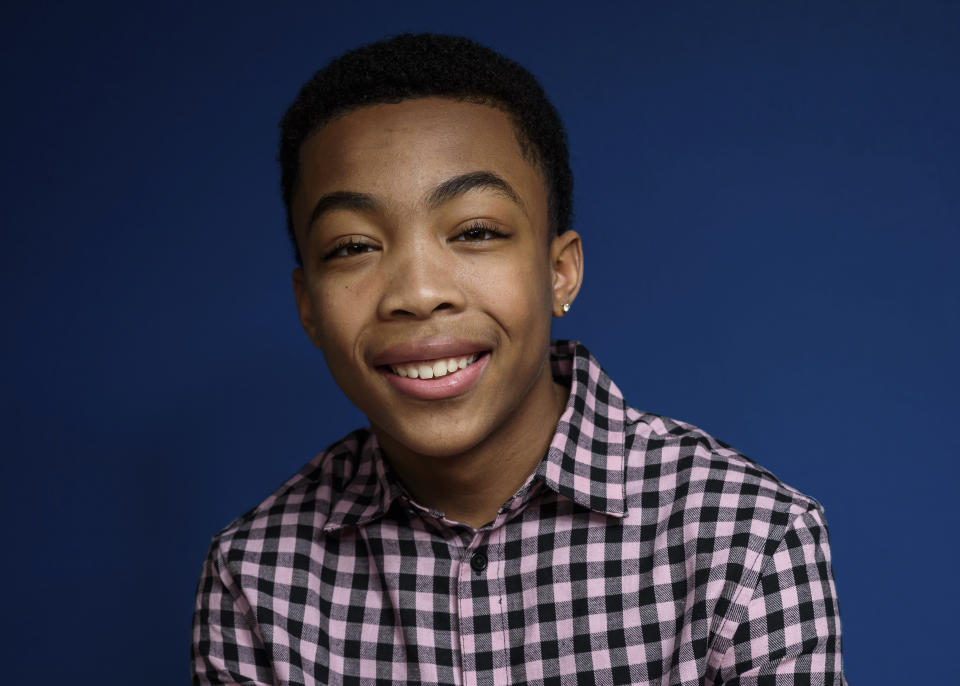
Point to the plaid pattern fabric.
(641, 551)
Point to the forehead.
(398, 152)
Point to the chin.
(438, 443)
(441, 448)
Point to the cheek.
(518, 290)
(340, 313)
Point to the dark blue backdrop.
(768, 195)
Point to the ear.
(305, 306)
(566, 263)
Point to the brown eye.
(349, 249)
(478, 233)
(357, 248)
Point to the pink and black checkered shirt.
(641, 551)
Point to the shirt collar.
(585, 461)
(369, 490)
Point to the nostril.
(406, 298)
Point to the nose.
(421, 280)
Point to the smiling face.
(429, 281)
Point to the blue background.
(768, 196)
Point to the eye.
(349, 247)
(478, 233)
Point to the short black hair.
(410, 66)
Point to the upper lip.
(432, 348)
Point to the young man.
(506, 518)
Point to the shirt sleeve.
(227, 647)
(790, 632)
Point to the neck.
(471, 487)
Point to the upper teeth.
(432, 368)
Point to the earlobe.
(305, 306)
(566, 259)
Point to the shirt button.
(479, 562)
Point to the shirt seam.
(737, 611)
(237, 596)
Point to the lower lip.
(440, 388)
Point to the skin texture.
(397, 266)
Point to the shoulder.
(677, 472)
(310, 497)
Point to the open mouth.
(432, 369)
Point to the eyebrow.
(342, 200)
(445, 192)
(478, 180)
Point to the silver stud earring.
(566, 307)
